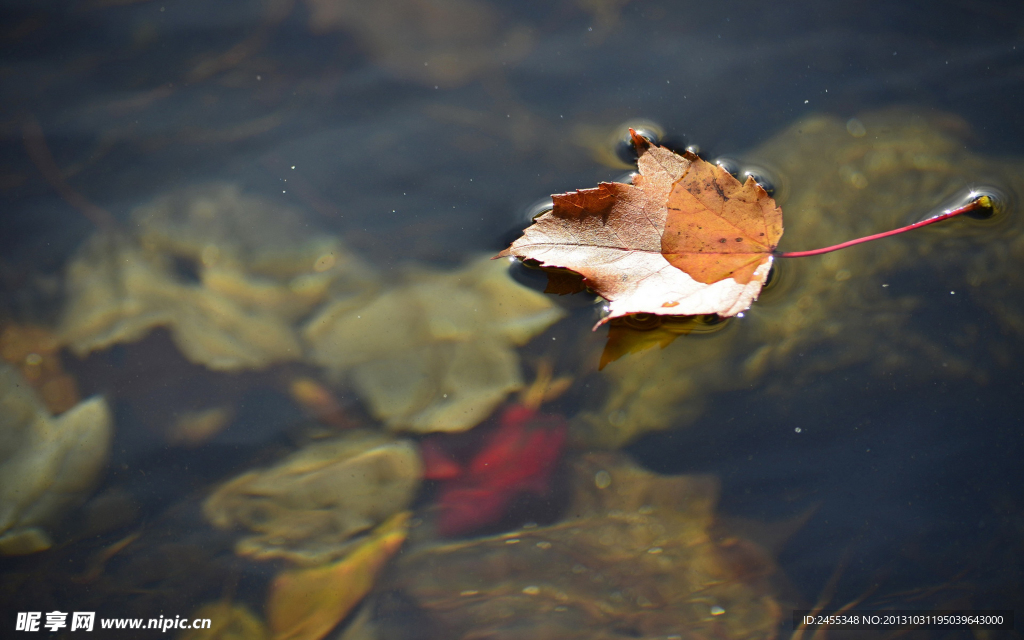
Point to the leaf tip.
(640, 143)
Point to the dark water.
(915, 486)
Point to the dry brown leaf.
(686, 238)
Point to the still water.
(250, 237)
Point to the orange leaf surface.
(686, 238)
(718, 228)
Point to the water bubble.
(626, 178)
(761, 176)
(729, 165)
(999, 202)
(996, 197)
(536, 209)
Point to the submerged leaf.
(519, 455)
(226, 274)
(437, 353)
(47, 464)
(635, 557)
(641, 332)
(119, 292)
(35, 352)
(305, 604)
(308, 507)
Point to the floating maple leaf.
(686, 238)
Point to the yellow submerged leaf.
(642, 331)
(305, 604)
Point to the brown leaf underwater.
(686, 238)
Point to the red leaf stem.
(981, 202)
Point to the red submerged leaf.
(519, 456)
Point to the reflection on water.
(242, 282)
